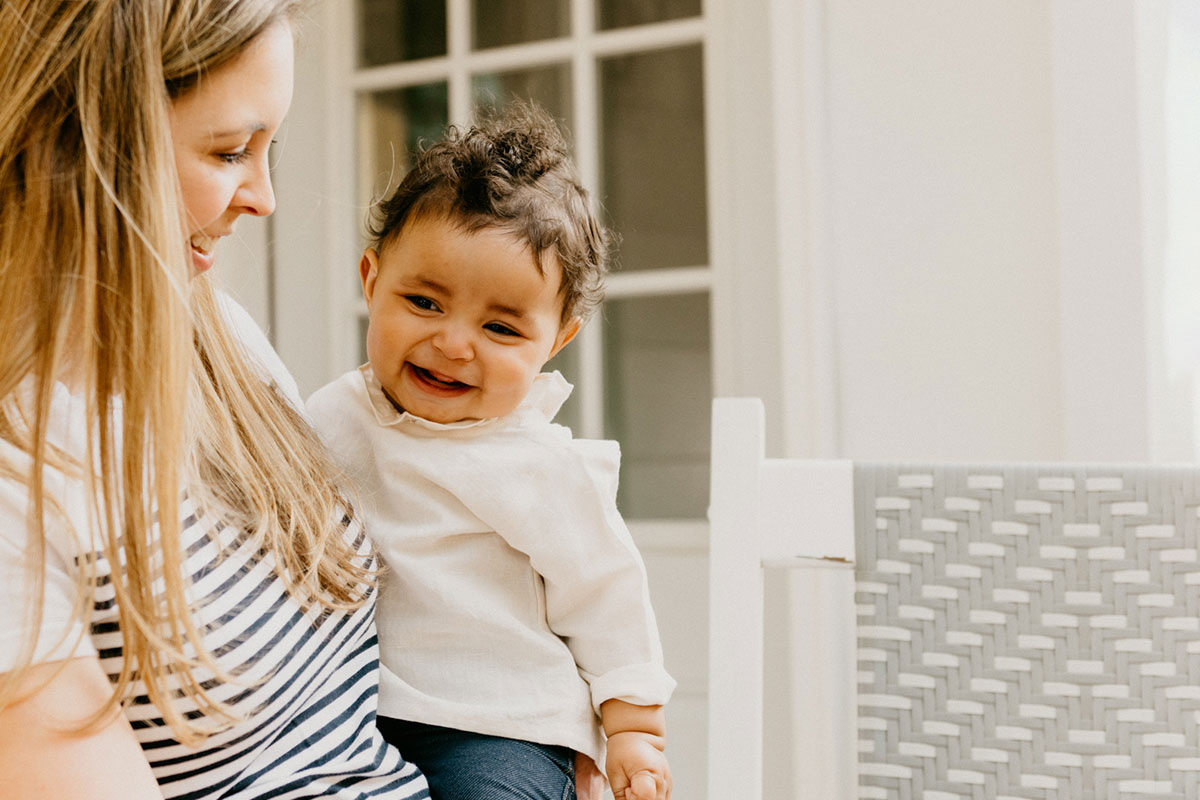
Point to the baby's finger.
(642, 786)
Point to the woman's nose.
(257, 195)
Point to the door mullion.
(458, 31)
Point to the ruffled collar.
(546, 396)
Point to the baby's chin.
(441, 417)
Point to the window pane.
(621, 13)
(501, 22)
(549, 87)
(400, 30)
(391, 126)
(658, 378)
(653, 157)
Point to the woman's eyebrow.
(245, 130)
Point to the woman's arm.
(43, 755)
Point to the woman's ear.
(566, 333)
(368, 271)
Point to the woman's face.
(222, 130)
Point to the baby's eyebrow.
(497, 308)
(426, 283)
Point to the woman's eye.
(500, 328)
(234, 158)
(423, 303)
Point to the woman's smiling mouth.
(202, 251)
(203, 243)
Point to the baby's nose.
(454, 343)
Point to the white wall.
(981, 244)
(243, 267)
(943, 229)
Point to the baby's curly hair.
(511, 170)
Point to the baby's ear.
(368, 271)
(566, 333)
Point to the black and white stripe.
(303, 684)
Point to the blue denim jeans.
(471, 766)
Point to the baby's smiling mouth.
(435, 379)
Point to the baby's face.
(460, 323)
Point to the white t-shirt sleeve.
(270, 365)
(61, 633)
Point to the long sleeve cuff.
(639, 684)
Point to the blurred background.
(918, 229)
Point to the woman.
(214, 641)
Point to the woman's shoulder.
(54, 549)
(259, 348)
(66, 431)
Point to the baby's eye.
(422, 302)
(500, 328)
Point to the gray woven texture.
(1028, 631)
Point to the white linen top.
(516, 601)
(306, 679)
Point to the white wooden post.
(735, 681)
(797, 515)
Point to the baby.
(515, 625)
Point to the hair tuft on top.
(511, 170)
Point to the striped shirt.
(302, 684)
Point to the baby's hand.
(637, 767)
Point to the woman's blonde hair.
(95, 292)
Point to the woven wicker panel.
(1028, 632)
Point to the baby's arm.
(636, 764)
